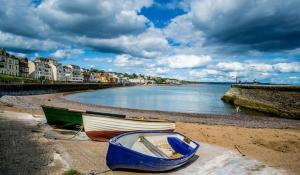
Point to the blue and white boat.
(150, 151)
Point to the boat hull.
(119, 157)
(63, 116)
(102, 136)
(103, 128)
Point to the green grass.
(72, 172)
(14, 79)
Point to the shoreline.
(32, 104)
(275, 141)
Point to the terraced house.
(43, 69)
(23, 67)
(9, 64)
(75, 73)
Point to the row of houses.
(50, 69)
(42, 68)
(100, 77)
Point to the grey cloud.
(55, 21)
(260, 25)
(19, 18)
(149, 44)
(101, 19)
(23, 44)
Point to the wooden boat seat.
(157, 151)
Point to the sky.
(199, 40)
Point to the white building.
(93, 78)
(53, 71)
(123, 80)
(67, 72)
(173, 81)
(43, 70)
(60, 72)
(73, 73)
(138, 80)
(31, 69)
(9, 64)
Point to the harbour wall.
(280, 100)
(38, 88)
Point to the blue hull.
(119, 157)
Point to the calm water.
(201, 98)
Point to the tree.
(134, 75)
(160, 80)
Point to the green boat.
(62, 116)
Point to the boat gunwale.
(132, 119)
(54, 107)
(107, 115)
(114, 142)
(86, 112)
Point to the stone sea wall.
(30, 89)
(280, 100)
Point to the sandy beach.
(274, 141)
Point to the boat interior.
(161, 145)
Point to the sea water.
(195, 98)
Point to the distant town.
(15, 69)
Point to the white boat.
(103, 126)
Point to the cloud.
(260, 67)
(208, 75)
(93, 18)
(238, 66)
(67, 53)
(50, 22)
(230, 66)
(24, 44)
(205, 72)
(182, 31)
(288, 80)
(109, 60)
(21, 19)
(228, 71)
(243, 37)
(185, 61)
(149, 44)
(127, 61)
(22, 55)
(287, 67)
(260, 25)
(162, 70)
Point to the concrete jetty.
(281, 100)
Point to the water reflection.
(201, 98)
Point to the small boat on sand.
(100, 126)
(65, 116)
(62, 116)
(150, 151)
(103, 127)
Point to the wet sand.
(274, 141)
